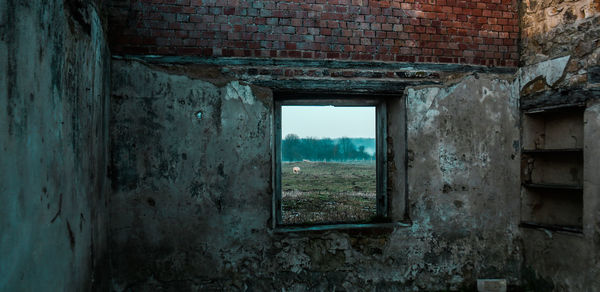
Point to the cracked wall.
(191, 202)
(54, 92)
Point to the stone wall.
(553, 29)
(438, 31)
(54, 106)
(191, 203)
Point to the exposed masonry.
(188, 147)
(321, 75)
(482, 32)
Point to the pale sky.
(328, 121)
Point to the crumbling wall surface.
(53, 146)
(591, 208)
(557, 262)
(192, 179)
(463, 176)
(553, 29)
(191, 207)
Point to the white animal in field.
(296, 170)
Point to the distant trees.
(294, 148)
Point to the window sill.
(369, 227)
(570, 230)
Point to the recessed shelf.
(552, 227)
(552, 168)
(554, 186)
(560, 150)
(557, 108)
(556, 130)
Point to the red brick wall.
(481, 32)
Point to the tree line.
(294, 148)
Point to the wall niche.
(552, 168)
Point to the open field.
(328, 192)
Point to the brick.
(229, 11)
(346, 29)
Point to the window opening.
(329, 162)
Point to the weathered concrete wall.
(53, 146)
(591, 180)
(463, 143)
(191, 207)
(192, 180)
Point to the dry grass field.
(328, 192)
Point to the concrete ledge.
(567, 96)
(373, 77)
(332, 64)
(323, 85)
(342, 227)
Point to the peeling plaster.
(551, 70)
(236, 90)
